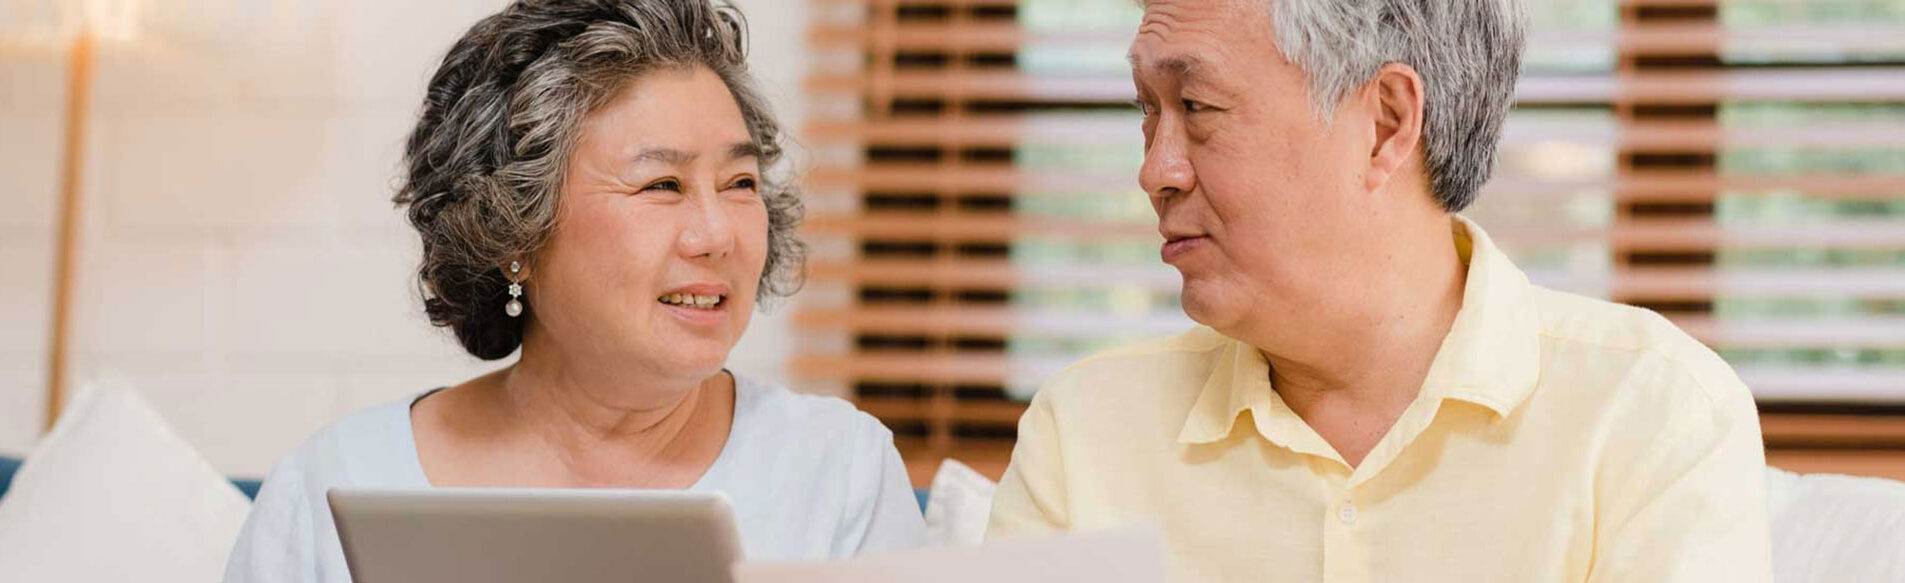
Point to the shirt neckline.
(744, 394)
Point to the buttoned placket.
(1345, 544)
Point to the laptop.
(484, 535)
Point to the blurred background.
(1738, 165)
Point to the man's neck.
(1350, 379)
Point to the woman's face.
(657, 253)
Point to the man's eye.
(1143, 108)
(668, 185)
(1193, 106)
(744, 184)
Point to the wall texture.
(241, 262)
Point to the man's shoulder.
(1183, 360)
(1577, 318)
(1655, 353)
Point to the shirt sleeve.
(275, 544)
(1689, 503)
(896, 522)
(1030, 499)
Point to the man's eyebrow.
(1186, 67)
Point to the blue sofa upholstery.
(249, 487)
(9, 466)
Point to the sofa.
(113, 481)
(9, 465)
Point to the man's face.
(1262, 204)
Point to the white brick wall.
(242, 263)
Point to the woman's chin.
(697, 353)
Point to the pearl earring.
(515, 306)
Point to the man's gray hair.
(1468, 53)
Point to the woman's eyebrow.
(737, 151)
(664, 155)
(742, 150)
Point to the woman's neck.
(538, 424)
(609, 429)
(597, 404)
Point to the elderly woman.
(589, 178)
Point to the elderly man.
(1377, 393)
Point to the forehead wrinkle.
(1188, 17)
(1183, 32)
(1159, 21)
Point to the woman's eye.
(667, 185)
(1143, 108)
(1193, 106)
(744, 184)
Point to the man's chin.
(1204, 308)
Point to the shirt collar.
(1239, 380)
(1491, 356)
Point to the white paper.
(1126, 556)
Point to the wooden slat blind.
(1738, 165)
(1785, 245)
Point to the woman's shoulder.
(842, 450)
(807, 432)
(786, 412)
(372, 444)
(824, 470)
(288, 534)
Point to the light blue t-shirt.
(809, 477)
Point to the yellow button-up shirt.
(1555, 438)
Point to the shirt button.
(1347, 514)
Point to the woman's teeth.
(696, 301)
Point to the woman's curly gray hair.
(501, 115)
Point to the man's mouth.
(1176, 246)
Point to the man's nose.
(1167, 167)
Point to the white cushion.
(113, 495)
(1831, 528)
(959, 506)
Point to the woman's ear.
(1399, 105)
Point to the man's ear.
(1398, 100)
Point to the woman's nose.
(709, 231)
